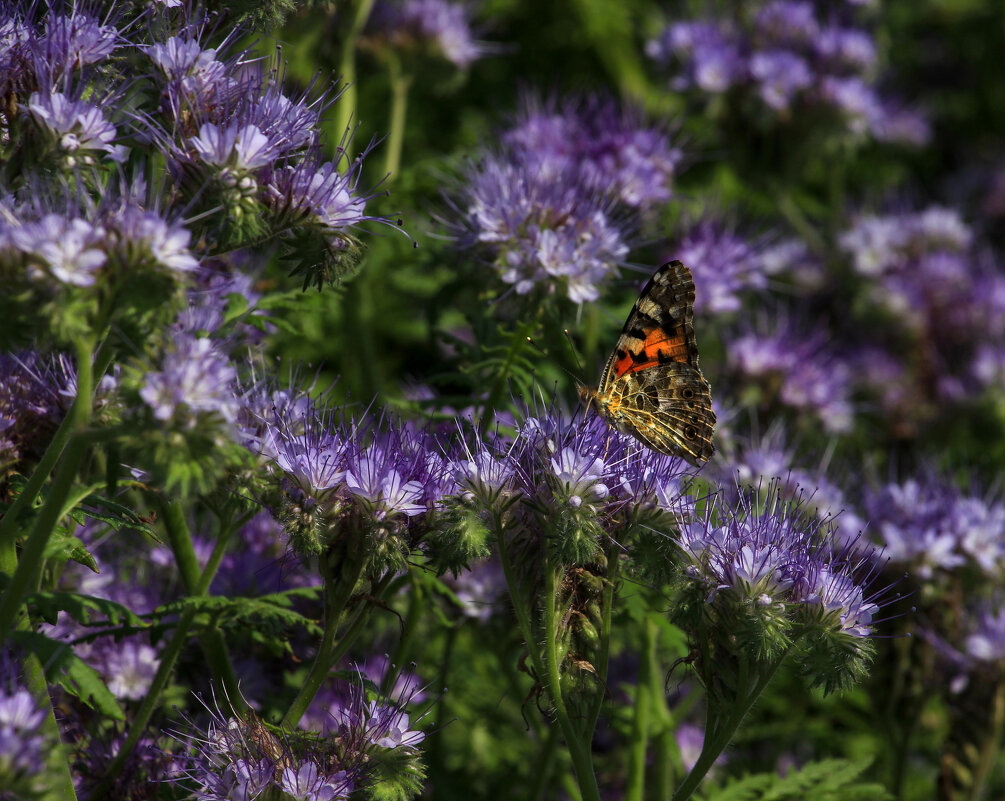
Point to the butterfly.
(651, 386)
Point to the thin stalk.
(30, 563)
(139, 724)
(197, 582)
(405, 643)
(168, 657)
(721, 731)
(641, 718)
(346, 106)
(541, 775)
(604, 656)
(400, 84)
(337, 595)
(579, 748)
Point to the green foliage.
(85, 609)
(826, 780)
(271, 614)
(65, 669)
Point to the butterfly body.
(652, 387)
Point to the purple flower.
(194, 379)
(766, 552)
(321, 193)
(307, 783)
(144, 237)
(845, 48)
(440, 25)
(987, 642)
(130, 668)
(857, 101)
(779, 74)
(22, 747)
(557, 236)
(239, 147)
(710, 53)
(724, 265)
(611, 147)
(79, 127)
(787, 22)
(481, 590)
(67, 249)
(71, 42)
(799, 366)
(931, 526)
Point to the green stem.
(405, 643)
(541, 776)
(346, 106)
(721, 726)
(30, 563)
(640, 719)
(338, 591)
(580, 749)
(604, 656)
(400, 84)
(197, 581)
(150, 701)
(178, 535)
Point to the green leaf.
(65, 547)
(85, 609)
(64, 668)
(827, 780)
(273, 612)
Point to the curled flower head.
(928, 524)
(440, 26)
(557, 237)
(610, 146)
(79, 128)
(762, 576)
(194, 379)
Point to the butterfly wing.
(652, 385)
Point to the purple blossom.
(130, 667)
(443, 27)
(481, 589)
(541, 233)
(195, 378)
(987, 642)
(22, 747)
(846, 48)
(144, 237)
(768, 552)
(800, 366)
(787, 22)
(322, 193)
(724, 266)
(67, 249)
(307, 783)
(73, 41)
(239, 147)
(79, 127)
(779, 75)
(710, 53)
(856, 100)
(611, 147)
(928, 524)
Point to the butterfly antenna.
(572, 350)
(554, 361)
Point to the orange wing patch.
(659, 347)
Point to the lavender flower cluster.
(439, 27)
(550, 209)
(926, 274)
(792, 58)
(235, 758)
